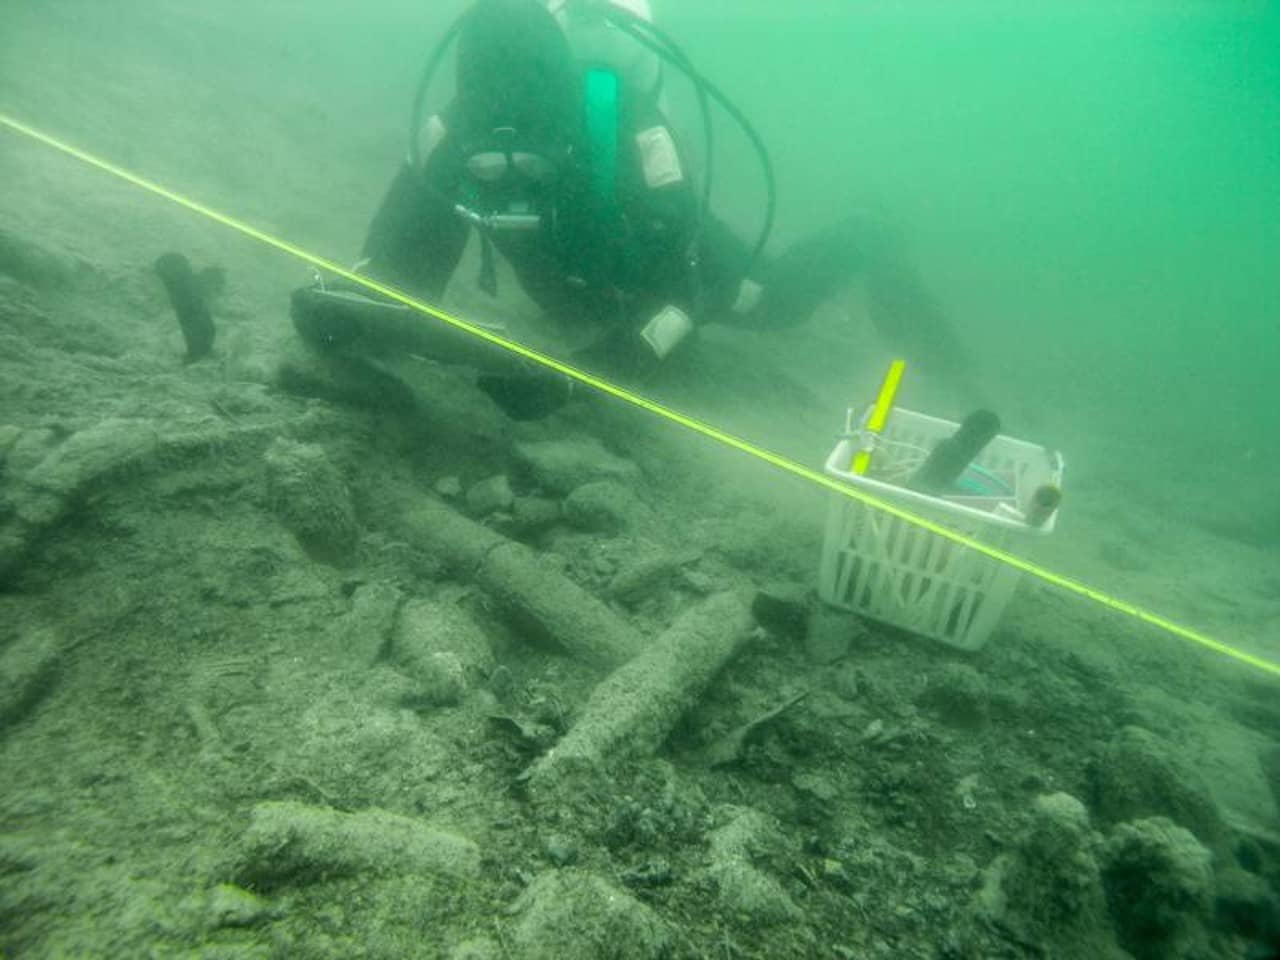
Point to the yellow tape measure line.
(672, 416)
(338, 270)
(880, 412)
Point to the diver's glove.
(530, 397)
(636, 354)
(666, 330)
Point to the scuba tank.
(596, 39)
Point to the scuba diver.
(553, 170)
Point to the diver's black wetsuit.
(612, 264)
(638, 263)
(619, 267)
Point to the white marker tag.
(658, 157)
(666, 329)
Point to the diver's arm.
(901, 307)
(416, 239)
(661, 214)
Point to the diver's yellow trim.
(672, 416)
(880, 412)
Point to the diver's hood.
(515, 71)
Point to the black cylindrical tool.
(948, 459)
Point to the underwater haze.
(1099, 184)
(324, 655)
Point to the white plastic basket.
(898, 573)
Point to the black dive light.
(949, 458)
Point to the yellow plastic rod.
(880, 412)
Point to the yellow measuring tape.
(672, 416)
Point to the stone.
(783, 609)
(228, 905)
(831, 633)
(746, 891)
(641, 577)
(560, 849)
(449, 487)
(1159, 883)
(957, 694)
(603, 506)
(1246, 905)
(426, 630)
(363, 633)
(559, 466)
(532, 515)
(572, 914)
(489, 496)
(1048, 887)
(1138, 775)
(743, 888)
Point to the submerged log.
(534, 596)
(634, 709)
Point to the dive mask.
(508, 189)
